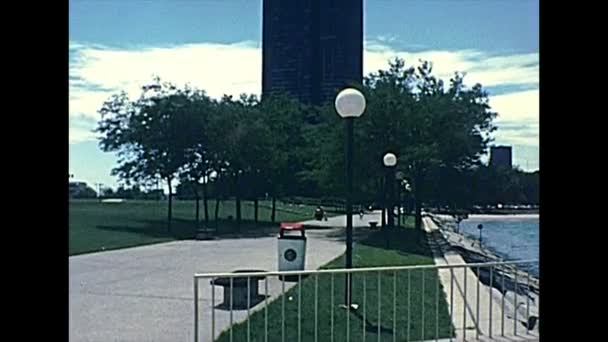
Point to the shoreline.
(497, 212)
(503, 216)
(487, 248)
(469, 249)
(513, 283)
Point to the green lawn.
(96, 226)
(404, 250)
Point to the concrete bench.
(204, 234)
(239, 290)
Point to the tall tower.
(311, 48)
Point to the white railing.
(499, 279)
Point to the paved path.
(340, 221)
(466, 305)
(146, 293)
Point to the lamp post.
(99, 185)
(350, 104)
(458, 220)
(399, 177)
(407, 188)
(383, 201)
(390, 160)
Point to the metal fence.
(401, 303)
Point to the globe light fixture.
(350, 103)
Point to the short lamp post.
(407, 188)
(399, 178)
(390, 160)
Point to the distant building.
(311, 49)
(501, 156)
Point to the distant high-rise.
(501, 156)
(311, 48)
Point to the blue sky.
(215, 45)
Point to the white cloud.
(525, 137)
(98, 71)
(518, 118)
(388, 38)
(516, 107)
(86, 103)
(497, 76)
(480, 67)
(77, 135)
(215, 67)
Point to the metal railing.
(409, 299)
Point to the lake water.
(509, 236)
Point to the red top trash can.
(291, 246)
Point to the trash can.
(292, 247)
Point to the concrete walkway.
(340, 221)
(477, 306)
(146, 293)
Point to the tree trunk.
(399, 205)
(383, 201)
(197, 210)
(274, 207)
(391, 200)
(238, 203)
(217, 210)
(418, 213)
(383, 223)
(385, 212)
(255, 209)
(205, 205)
(238, 214)
(417, 203)
(170, 211)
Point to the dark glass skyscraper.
(311, 48)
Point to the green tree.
(81, 190)
(239, 144)
(284, 119)
(530, 184)
(492, 185)
(197, 164)
(411, 114)
(150, 134)
(443, 128)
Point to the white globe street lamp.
(389, 160)
(406, 185)
(350, 104)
